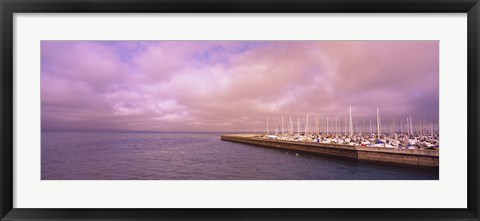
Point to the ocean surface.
(196, 156)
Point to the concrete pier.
(426, 158)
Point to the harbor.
(407, 144)
(413, 157)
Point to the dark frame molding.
(9, 7)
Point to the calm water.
(188, 156)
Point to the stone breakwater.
(425, 158)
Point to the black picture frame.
(9, 7)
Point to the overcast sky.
(233, 85)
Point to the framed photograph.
(185, 110)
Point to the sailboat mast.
(371, 131)
(401, 127)
(431, 129)
(291, 124)
(267, 127)
(306, 126)
(350, 124)
(411, 125)
(378, 124)
(327, 126)
(364, 130)
(423, 125)
(322, 126)
(277, 128)
(336, 125)
(408, 126)
(298, 125)
(393, 129)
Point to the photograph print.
(240, 110)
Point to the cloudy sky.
(232, 85)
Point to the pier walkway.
(415, 157)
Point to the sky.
(233, 85)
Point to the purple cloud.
(232, 85)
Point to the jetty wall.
(427, 158)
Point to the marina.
(409, 145)
(425, 157)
